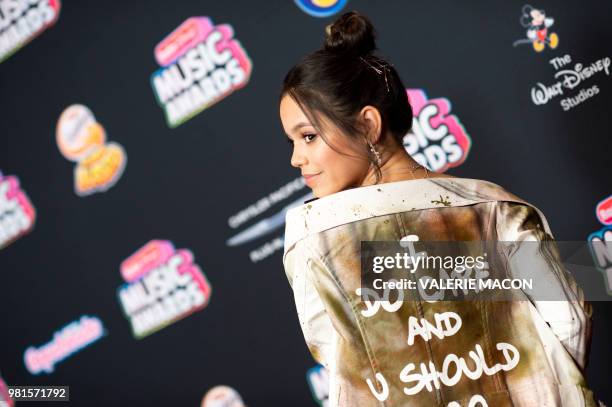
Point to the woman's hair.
(337, 81)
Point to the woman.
(345, 111)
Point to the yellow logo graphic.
(82, 139)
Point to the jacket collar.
(383, 199)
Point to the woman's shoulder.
(357, 204)
(438, 175)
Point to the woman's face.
(324, 169)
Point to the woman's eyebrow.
(301, 124)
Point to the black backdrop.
(183, 184)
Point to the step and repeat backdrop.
(145, 177)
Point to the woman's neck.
(398, 167)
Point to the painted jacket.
(368, 357)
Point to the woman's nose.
(297, 158)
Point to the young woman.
(346, 111)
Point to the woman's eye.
(309, 137)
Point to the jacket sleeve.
(314, 320)
(563, 306)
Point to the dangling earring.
(376, 154)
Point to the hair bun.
(351, 34)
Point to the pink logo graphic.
(186, 36)
(17, 215)
(22, 21)
(437, 139)
(152, 255)
(604, 211)
(163, 286)
(5, 399)
(201, 64)
(70, 339)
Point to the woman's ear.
(373, 123)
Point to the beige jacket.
(368, 358)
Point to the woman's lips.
(309, 178)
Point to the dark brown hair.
(337, 81)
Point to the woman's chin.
(320, 192)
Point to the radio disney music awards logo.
(163, 285)
(603, 211)
(222, 396)
(17, 215)
(5, 399)
(200, 64)
(80, 138)
(321, 8)
(437, 139)
(67, 341)
(318, 382)
(567, 78)
(269, 223)
(600, 242)
(21, 21)
(538, 29)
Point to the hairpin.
(382, 69)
